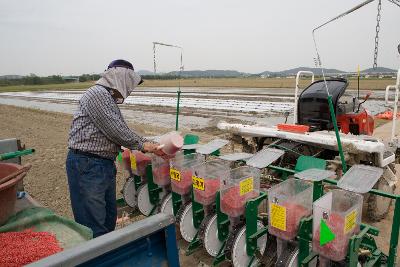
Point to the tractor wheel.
(378, 207)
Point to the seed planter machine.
(331, 126)
(313, 219)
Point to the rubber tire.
(372, 206)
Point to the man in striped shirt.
(97, 133)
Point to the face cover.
(120, 79)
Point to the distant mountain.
(209, 73)
(378, 70)
(145, 72)
(290, 72)
(10, 77)
(234, 73)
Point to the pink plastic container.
(183, 186)
(8, 190)
(160, 170)
(294, 213)
(126, 161)
(138, 166)
(207, 196)
(172, 142)
(233, 204)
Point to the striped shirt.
(99, 128)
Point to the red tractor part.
(356, 123)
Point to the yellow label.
(246, 186)
(133, 162)
(176, 175)
(350, 221)
(278, 216)
(198, 183)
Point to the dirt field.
(365, 84)
(47, 132)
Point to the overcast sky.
(73, 37)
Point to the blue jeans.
(92, 191)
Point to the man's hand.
(153, 148)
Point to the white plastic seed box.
(181, 171)
(242, 184)
(336, 217)
(207, 178)
(288, 203)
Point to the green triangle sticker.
(326, 234)
(119, 158)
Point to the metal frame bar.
(198, 217)
(180, 74)
(252, 234)
(396, 99)
(16, 154)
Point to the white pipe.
(351, 143)
(396, 98)
(388, 88)
(296, 90)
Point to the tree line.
(33, 79)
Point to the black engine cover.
(313, 107)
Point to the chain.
(154, 58)
(378, 27)
(396, 2)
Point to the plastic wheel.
(211, 242)
(166, 205)
(129, 193)
(185, 221)
(238, 252)
(143, 200)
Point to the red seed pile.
(21, 248)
